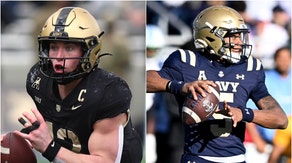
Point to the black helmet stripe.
(61, 22)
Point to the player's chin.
(58, 72)
(236, 52)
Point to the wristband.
(168, 86)
(247, 114)
(52, 151)
(175, 87)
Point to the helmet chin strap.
(232, 57)
(64, 81)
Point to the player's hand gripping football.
(40, 136)
(201, 85)
(198, 86)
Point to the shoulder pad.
(188, 57)
(253, 64)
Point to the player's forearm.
(271, 114)
(155, 83)
(270, 119)
(65, 155)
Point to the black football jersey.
(99, 95)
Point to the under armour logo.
(240, 76)
(246, 111)
(36, 83)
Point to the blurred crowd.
(270, 35)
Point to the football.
(195, 111)
(14, 149)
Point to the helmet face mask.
(76, 25)
(213, 26)
(59, 71)
(232, 51)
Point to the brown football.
(14, 149)
(195, 111)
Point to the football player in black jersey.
(222, 56)
(83, 112)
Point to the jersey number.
(68, 135)
(223, 129)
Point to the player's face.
(235, 41)
(65, 56)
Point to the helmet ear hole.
(87, 66)
(93, 42)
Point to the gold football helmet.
(71, 24)
(213, 24)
